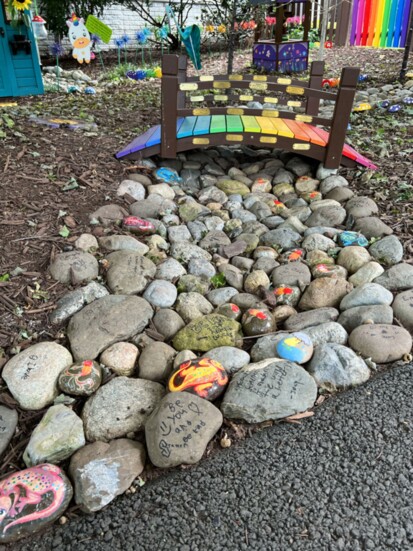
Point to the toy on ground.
(328, 83)
(79, 38)
(186, 126)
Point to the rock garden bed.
(233, 284)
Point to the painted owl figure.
(80, 39)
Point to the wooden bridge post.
(341, 117)
(172, 99)
(316, 79)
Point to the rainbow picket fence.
(380, 23)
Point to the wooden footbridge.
(208, 111)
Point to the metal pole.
(407, 47)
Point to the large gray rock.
(191, 306)
(123, 243)
(302, 320)
(184, 252)
(372, 227)
(294, 273)
(106, 321)
(282, 238)
(231, 358)
(58, 435)
(324, 292)
(101, 472)
(32, 375)
(120, 407)
(353, 317)
(161, 293)
(403, 309)
(327, 216)
(74, 301)
(331, 182)
(334, 366)
(381, 343)
(368, 294)
(388, 251)
(74, 267)
(169, 270)
(129, 272)
(361, 207)
(168, 322)
(397, 278)
(353, 258)
(366, 274)
(8, 424)
(179, 429)
(271, 389)
(330, 332)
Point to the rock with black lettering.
(179, 429)
(271, 389)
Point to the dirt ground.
(51, 179)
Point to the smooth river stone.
(286, 295)
(232, 359)
(129, 272)
(32, 375)
(203, 377)
(271, 389)
(47, 494)
(107, 320)
(366, 274)
(353, 258)
(397, 278)
(179, 429)
(348, 238)
(382, 343)
(229, 310)
(294, 273)
(334, 366)
(302, 320)
(403, 309)
(329, 270)
(388, 250)
(258, 322)
(368, 294)
(138, 225)
(81, 379)
(297, 347)
(324, 292)
(208, 332)
(353, 317)
(8, 424)
(327, 332)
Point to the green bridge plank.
(234, 124)
(218, 124)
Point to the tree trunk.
(231, 42)
(324, 22)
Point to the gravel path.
(340, 480)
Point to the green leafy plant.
(218, 280)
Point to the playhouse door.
(6, 69)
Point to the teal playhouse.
(20, 73)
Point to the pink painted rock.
(138, 225)
(32, 499)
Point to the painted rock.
(261, 184)
(408, 101)
(363, 78)
(312, 196)
(362, 107)
(204, 377)
(292, 256)
(394, 108)
(286, 295)
(297, 348)
(167, 175)
(258, 322)
(138, 225)
(329, 270)
(283, 189)
(384, 104)
(32, 499)
(348, 238)
(81, 379)
(277, 207)
(229, 310)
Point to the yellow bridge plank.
(282, 128)
(266, 125)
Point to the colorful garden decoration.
(204, 377)
(57, 50)
(257, 321)
(20, 73)
(98, 28)
(138, 225)
(352, 238)
(297, 348)
(81, 379)
(394, 108)
(278, 54)
(362, 107)
(79, 38)
(191, 38)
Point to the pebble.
(191, 306)
(168, 322)
(58, 435)
(221, 295)
(108, 215)
(47, 476)
(327, 216)
(120, 358)
(81, 379)
(353, 258)
(129, 272)
(101, 472)
(282, 238)
(302, 320)
(361, 207)
(87, 243)
(231, 358)
(324, 292)
(156, 361)
(367, 294)
(74, 267)
(371, 226)
(123, 243)
(366, 274)
(294, 273)
(336, 367)
(382, 343)
(353, 317)
(107, 320)
(169, 270)
(31, 376)
(161, 293)
(271, 389)
(403, 309)
(387, 251)
(326, 333)
(130, 187)
(297, 347)
(199, 421)
(331, 182)
(120, 407)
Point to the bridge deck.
(201, 131)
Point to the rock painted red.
(138, 225)
(81, 379)
(258, 321)
(32, 499)
(204, 377)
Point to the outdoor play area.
(205, 230)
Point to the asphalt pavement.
(341, 480)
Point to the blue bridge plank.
(202, 125)
(187, 127)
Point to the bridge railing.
(184, 96)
